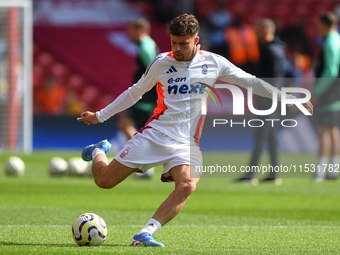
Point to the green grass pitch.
(221, 217)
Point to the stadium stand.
(89, 54)
(65, 42)
(59, 90)
(284, 12)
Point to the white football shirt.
(181, 91)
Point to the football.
(88, 171)
(57, 166)
(77, 166)
(14, 166)
(89, 229)
(147, 175)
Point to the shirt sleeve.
(330, 70)
(132, 94)
(231, 74)
(147, 51)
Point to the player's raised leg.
(185, 184)
(106, 175)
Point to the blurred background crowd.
(83, 58)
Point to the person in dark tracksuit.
(270, 68)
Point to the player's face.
(260, 33)
(322, 29)
(184, 47)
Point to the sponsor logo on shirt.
(198, 87)
(124, 152)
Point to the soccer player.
(327, 94)
(171, 136)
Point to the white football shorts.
(152, 148)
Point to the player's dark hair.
(184, 24)
(329, 19)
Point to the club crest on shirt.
(204, 69)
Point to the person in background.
(218, 20)
(139, 33)
(138, 115)
(270, 66)
(242, 45)
(327, 97)
(51, 98)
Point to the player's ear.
(197, 38)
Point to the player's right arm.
(88, 118)
(128, 98)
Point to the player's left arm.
(234, 75)
(308, 105)
(125, 100)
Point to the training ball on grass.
(88, 171)
(57, 166)
(14, 166)
(77, 166)
(89, 229)
(147, 175)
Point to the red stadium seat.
(36, 51)
(39, 76)
(89, 94)
(76, 82)
(60, 72)
(104, 101)
(45, 59)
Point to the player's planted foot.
(145, 239)
(318, 179)
(87, 151)
(332, 176)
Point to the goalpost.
(16, 119)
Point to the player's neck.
(192, 55)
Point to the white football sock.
(335, 161)
(96, 152)
(333, 169)
(321, 169)
(151, 227)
